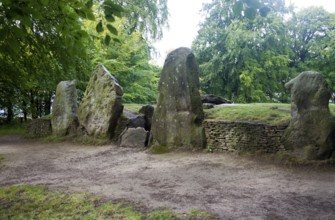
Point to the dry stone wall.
(39, 128)
(244, 136)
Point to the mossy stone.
(101, 106)
(311, 132)
(64, 119)
(177, 120)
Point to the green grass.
(33, 202)
(133, 107)
(13, 128)
(271, 113)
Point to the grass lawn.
(133, 107)
(271, 113)
(33, 202)
(14, 128)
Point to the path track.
(226, 184)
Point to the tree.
(128, 61)
(40, 46)
(128, 58)
(146, 16)
(242, 57)
(312, 33)
(44, 42)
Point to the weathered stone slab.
(64, 109)
(101, 106)
(147, 111)
(128, 120)
(212, 99)
(134, 138)
(177, 120)
(311, 133)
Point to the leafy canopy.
(250, 58)
(44, 42)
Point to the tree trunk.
(33, 109)
(24, 110)
(10, 113)
(47, 103)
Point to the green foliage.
(312, 33)
(31, 202)
(44, 42)
(247, 51)
(128, 61)
(146, 16)
(243, 59)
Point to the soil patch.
(231, 186)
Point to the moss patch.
(158, 149)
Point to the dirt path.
(231, 186)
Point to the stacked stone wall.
(39, 128)
(243, 136)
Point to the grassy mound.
(260, 112)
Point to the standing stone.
(177, 120)
(64, 109)
(311, 133)
(101, 106)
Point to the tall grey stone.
(177, 120)
(311, 132)
(101, 106)
(64, 109)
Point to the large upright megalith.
(311, 132)
(101, 106)
(64, 119)
(177, 120)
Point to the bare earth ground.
(231, 186)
